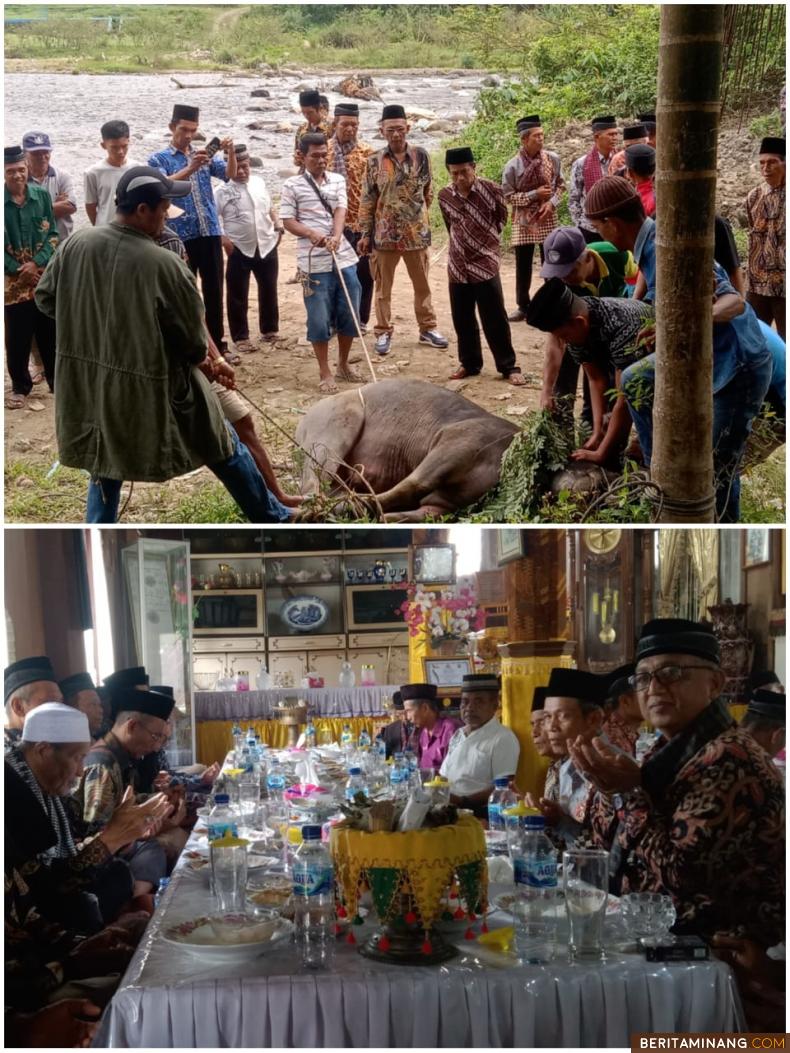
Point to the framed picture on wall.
(756, 546)
(509, 545)
(446, 673)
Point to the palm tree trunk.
(689, 82)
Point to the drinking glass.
(229, 876)
(249, 796)
(649, 915)
(585, 879)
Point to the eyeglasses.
(156, 736)
(666, 675)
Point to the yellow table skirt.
(215, 737)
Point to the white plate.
(306, 614)
(204, 936)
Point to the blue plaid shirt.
(739, 344)
(200, 214)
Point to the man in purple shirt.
(434, 731)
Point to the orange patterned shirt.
(356, 163)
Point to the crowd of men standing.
(357, 212)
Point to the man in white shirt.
(482, 750)
(38, 151)
(101, 179)
(313, 208)
(251, 233)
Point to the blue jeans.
(734, 408)
(239, 474)
(328, 306)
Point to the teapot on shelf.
(226, 577)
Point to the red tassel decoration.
(342, 912)
(484, 927)
(459, 915)
(384, 943)
(338, 928)
(469, 934)
(453, 893)
(472, 916)
(351, 938)
(410, 917)
(427, 946)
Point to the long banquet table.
(172, 998)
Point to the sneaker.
(383, 343)
(434, 338)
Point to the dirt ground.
(283, 381)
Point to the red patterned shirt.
(475, 223)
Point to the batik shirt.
(527, 229)
(30, 234)
(765, 208)
(200, 218)
(714, 839)
(614, 327)
(356, 165)
(621, 734)
(109, 769)
(576, 194)
(475, 223)
(396, 195)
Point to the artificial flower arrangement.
(447, 614)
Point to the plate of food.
(306, 614)
(229, 937)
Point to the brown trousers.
(382, 267)
(769, 309)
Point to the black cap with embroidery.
(27, 671)
(474, 682)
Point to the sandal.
(349, 375)
(245, 346)
(14, 401)
(462, 374)
(231, 357)
(516, 378)
(37, 377)
(328, 386)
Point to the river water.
(72, 108)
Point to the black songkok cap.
(475, 682)
(634, 131)
(393, 112)
(640, 158)
(767, 676)
(422, 692)
(134, 676)
(526, 124)
(397, 700)
(152, 703)
(768, 704)
(551, 306)
(70, 685)
(241, 151)
(27, 671)
(578, 684)
(459, 155)
(346, 109)
(163, 690)
(13, 155)
(772, 145)
(309, 98)
(184, 113)
(538, 698)
(603, 124)
(618, 681)
(677, 636)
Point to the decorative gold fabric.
(215, 738)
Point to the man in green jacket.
(30, 239)
(133, 401)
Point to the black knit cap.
(152, 703)
(311, 97)
(474, 682)
(538, 698)
(13, 155)
(346, 109)
(603, 124)
(71, 685)
(578, 684)
(772, 145)
(768, 704)
(27, 671)
(640, 158)
(184, 113)
(393, 112)
(634, 131)
(551, 306)
(459, 155)
(421, 692)
(677, 636)
(618, 681)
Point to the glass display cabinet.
(158, 592)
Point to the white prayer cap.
(56, 722)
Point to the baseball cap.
(562, 249)
(143, 185)
(33, 141)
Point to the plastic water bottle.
(535, 876)
(399, 777)
(310, 737)
(364, 740)
(500, 800)
(246, 760)
(160, 891)
(275, 781)
(356, 784)
(314, 900)
(381, 749)
(346, 738)
(238, 739)
(410, 759)
(221, 820)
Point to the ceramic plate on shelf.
(230, 937)
(306, 614)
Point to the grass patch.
(209, 504)
(31, 497)
(763, 496)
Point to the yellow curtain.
(215, 738)
(671, 550)
(520, 677)
(418, 649)
(703, 547)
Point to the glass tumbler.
(229, 874)
(585, 879)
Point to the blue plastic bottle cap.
(534, 822)
(501, 783)
(311, 833)
(354, 771)
(221, 798)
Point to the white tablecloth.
(323, 702)
(172, 998)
